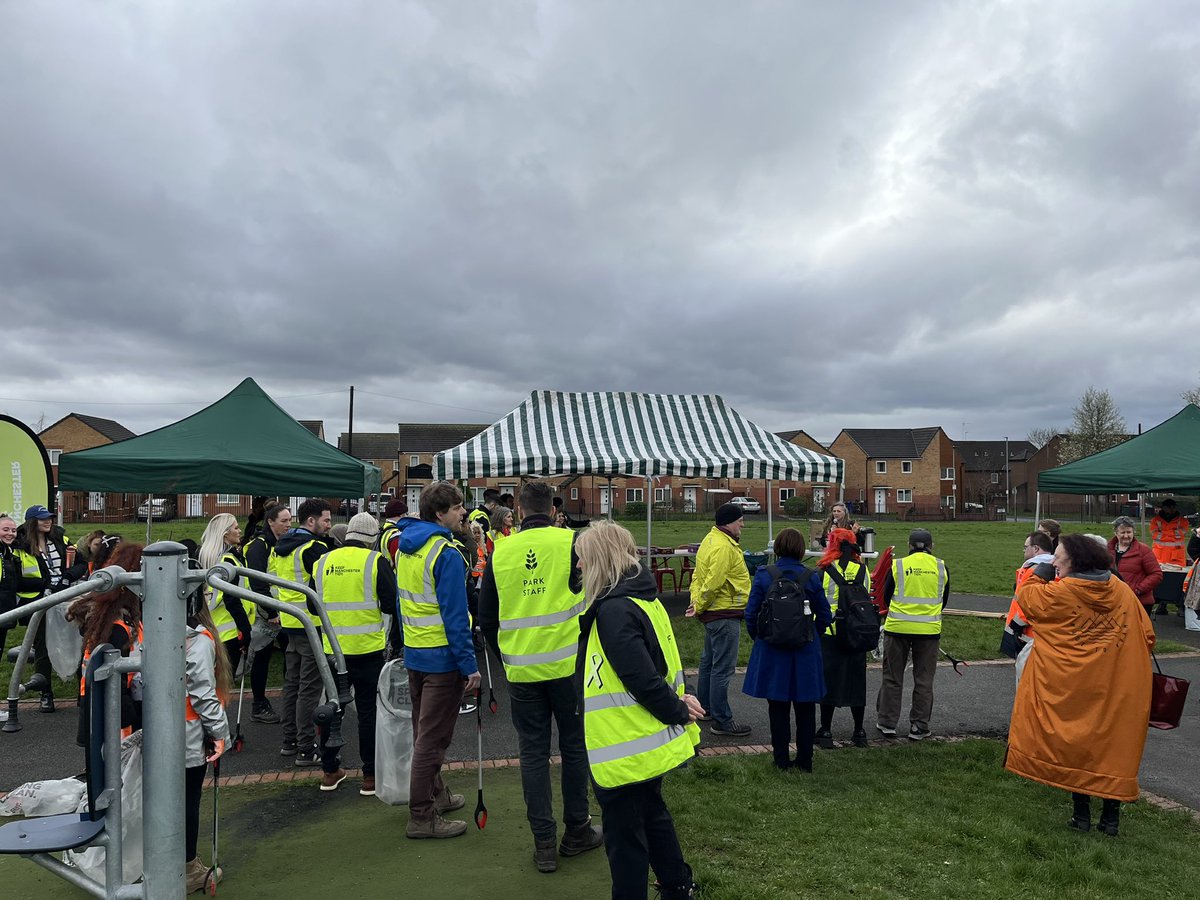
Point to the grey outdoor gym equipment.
(165, 582)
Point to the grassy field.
(864, 824)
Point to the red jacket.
(1139, 569)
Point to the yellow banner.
(25, 475)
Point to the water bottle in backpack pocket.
(785, 619)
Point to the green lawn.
(981, 556)
(906, 821)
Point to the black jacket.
(489, 600)
(257, 551)
(1193, 547)
(12, 581)
(631, 646)
(58, 537)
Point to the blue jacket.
(450, 583)
(795, 675)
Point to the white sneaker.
(3, 715)
(888, 731)
(468, 706)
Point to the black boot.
(1081, 820)
(1110, 818)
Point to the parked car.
(163, 509)
(347, 509)
(746, 504)
(972, 507)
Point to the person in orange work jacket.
(1168, 535)
(1018, 634)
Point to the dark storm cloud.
(832, 215)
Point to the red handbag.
(1167, 696)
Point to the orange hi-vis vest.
(1168, 540)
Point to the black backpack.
(856, 622)
(785, 618)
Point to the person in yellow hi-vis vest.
(294, 557)
(529, 606)
(357, 585)
(439, 652)
(917, 587)
(638, 722)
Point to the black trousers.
(363, 671)
(639, 834)
(193, 781)
(780, 712)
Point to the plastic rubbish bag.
(393, 735)
(262, 633)
(1191, 621)
(90, 860)
(64, 643)
(44, 798)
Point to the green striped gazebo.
(617, 434)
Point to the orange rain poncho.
(1083, 704)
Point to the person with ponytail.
(207, 682)
(845, 671)
(221, 542)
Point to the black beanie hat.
(730, 512)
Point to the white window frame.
(414, 459)
(477, 495)
(948, 501)
(228, 499)
(574, 493)
(635, 495)
(906, 467)
(662, 495)
(54, 455)
(786, 494)
(881, 467)
(995, 478)
(904, 495)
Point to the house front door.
(195, 505)
(881, 500)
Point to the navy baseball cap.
(38, 512)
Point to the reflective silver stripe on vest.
(226, 626)
(549, 619)
(418, 621)
(358, 629)
(896, 616)
(608, 701)
(903, 598)
(636, 746)
(429, 595)
(298, 564)
(679, 682)
(534, 659)
(1169, 543)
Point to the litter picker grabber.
(210, 877)
(480, 808)
(954, 663)
(487, 661)
(239, 742)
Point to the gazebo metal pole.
(610, 499)
(1037, 508)
(770, 516)
(649, 513)
(149, 516)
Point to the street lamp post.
(1007, 491)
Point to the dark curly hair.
(96, 614)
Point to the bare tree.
(1192, 396)
(1040, 437)
(1096, 425)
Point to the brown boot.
(196, 873)
(437, 827)
(448, 802)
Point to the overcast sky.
(835, 215)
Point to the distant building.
(895, 470)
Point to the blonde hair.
(212, 544)
(606, 552)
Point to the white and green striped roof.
(619, 434)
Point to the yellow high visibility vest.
(346, 581)
(625, 743)
(831, 588)
(482, 517)
(916, 606)
(221, 616)
(292, 568)
(419, 610)
(29, 569)
(539, 614)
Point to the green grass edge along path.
(899, 821)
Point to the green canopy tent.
(1165, 458)
(245, 443)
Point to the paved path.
(977, 703)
